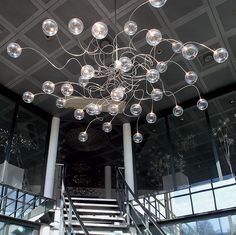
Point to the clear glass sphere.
(76, 26)
(107, 127)
(126, 64)
(137, 138)
(98, 109)
(157, 3)
(48, 87)
(153, 37)
(152, 75)
(191, 77)
(99, 30)
(202, 104)
(220, 55)
(28, 97)
(117, 65)
(189, 51)
(79, 114)
(60, 102)
(113, 109)
(14, 50)
(151, 117)
(161, 66)
(136, 109)
(130, 28)
(50, 27)
(178, 111)
(67, 89)
(83, 136)
(83, 82)
(87, 71)
(156, 94)
(177, 47)
(91, 109)
(117, 94)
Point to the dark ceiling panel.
(6, 74)
(190, 31)
(175, 11)
(17, 12)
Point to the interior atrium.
(117, 117)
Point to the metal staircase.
(99, 216)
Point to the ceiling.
(212, 22)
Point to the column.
(52, 157)
(108, 182)
(128, 155)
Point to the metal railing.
(125, 197)
(19, 203)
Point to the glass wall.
(23, 144)
(188, 150)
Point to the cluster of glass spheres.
(123, 64)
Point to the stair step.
(100, 233)
(103, 212)
(93, 205)
(100, 225)
(93, 199)
(99, 218)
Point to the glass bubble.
(117, 94)
(79, 114)
(161, 66)
(157, 3)
(202, 104)
(99, 30)
(91, 109)
(28, 97)
(126, 64)
(117, 65)
(83, 136)
(189, 51)
(14, 50)
(67, 89)
(220, 55)
(136, 109)
(98, 109)
(60, 102)
(50, 27)
(177, 47)
(107, 127)
(153, 37)
(151, 117)
(137, 138)
(152, 75)
(87, 71)
(130, 28)
(48, 87)
(83, 82)
(178, 111)
(191, 77)
(157, 94)
(76, 26)
(113, 109)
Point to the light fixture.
(120, 74)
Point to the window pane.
(203, 202)
(181, 206)
(224, 197)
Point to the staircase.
(100, 216)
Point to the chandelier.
(121, 78)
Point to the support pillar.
(108, 182)
(52, 157)
(128, 155)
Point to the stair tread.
(93, 204)
(97, 217)
(100, 225)
(99, 233)
(92, 199)
(99, 211)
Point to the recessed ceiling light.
(232, 101)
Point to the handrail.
(140, 204)
(6, 195)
